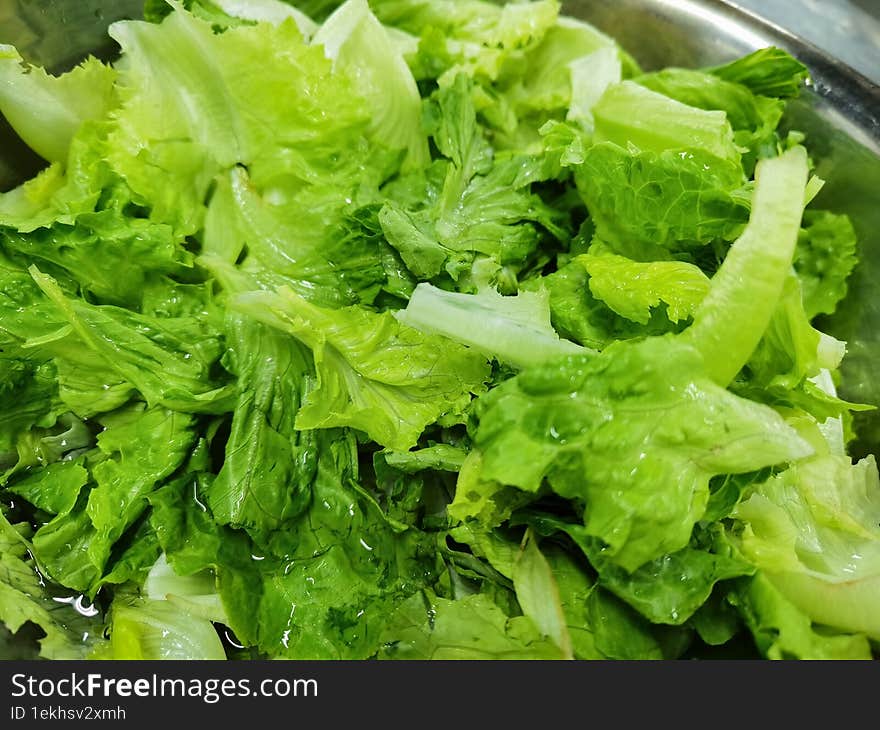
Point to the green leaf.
(576, 313)
(358, 44)
(46, 111)
(673, 199)
(754, 118)
(190, 538)
(438, 456)
(538, 594)
(144, 447)
(667, 590)
(825, 256)
(632, 288)
(69, 632)
(54, 488)
(474, 36)
(312, 249)
(591, 75)
(480, 207)
(264, 483)
(109, 255)
(734, 315)
(634, 434)
(90, 533)
(159, 630)
(781, 631)
(791, 348)
(514, 330)
(373, 373)
(195, 103)
(769, 71)
(813, 532)
(196, 593)
(430, 627)
(628, 113)
(268, 11)
(346, 568)
(132, 557)
(168, 361)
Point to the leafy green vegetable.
(632, 288)
(824, 259)
(373, 373)
(642, 200)
(634, 434)
(430, 627)
(330, 594)
(829, 571)
(753, 118)
(46, 110)
(783, 632)
(515, 330)
(769, 71)
(264, 482)
(149, 629)
(474, 206)
(662, 123)
(167, 361)
(68, 632)
(356, 41)
(728, 326)
(186, 114)
(137, 449)
(402, 329)
(538, 594)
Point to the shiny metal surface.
(846, 29)
(840, 114)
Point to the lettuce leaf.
(478, 207)
(46, 111)
(69, 631)
(607, 431)
(265, 480)
(431, 627)
(829, 571)
(373, 373)
(516, 330)
(186, 114)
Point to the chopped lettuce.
(633, 288)
(71, 626)
(516, 330)
(813, 531)
(372, 373)
(632, 437)
(357, 42)
(159, 629)
(402, 329)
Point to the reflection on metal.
(846, 29)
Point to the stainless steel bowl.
(840, 114)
